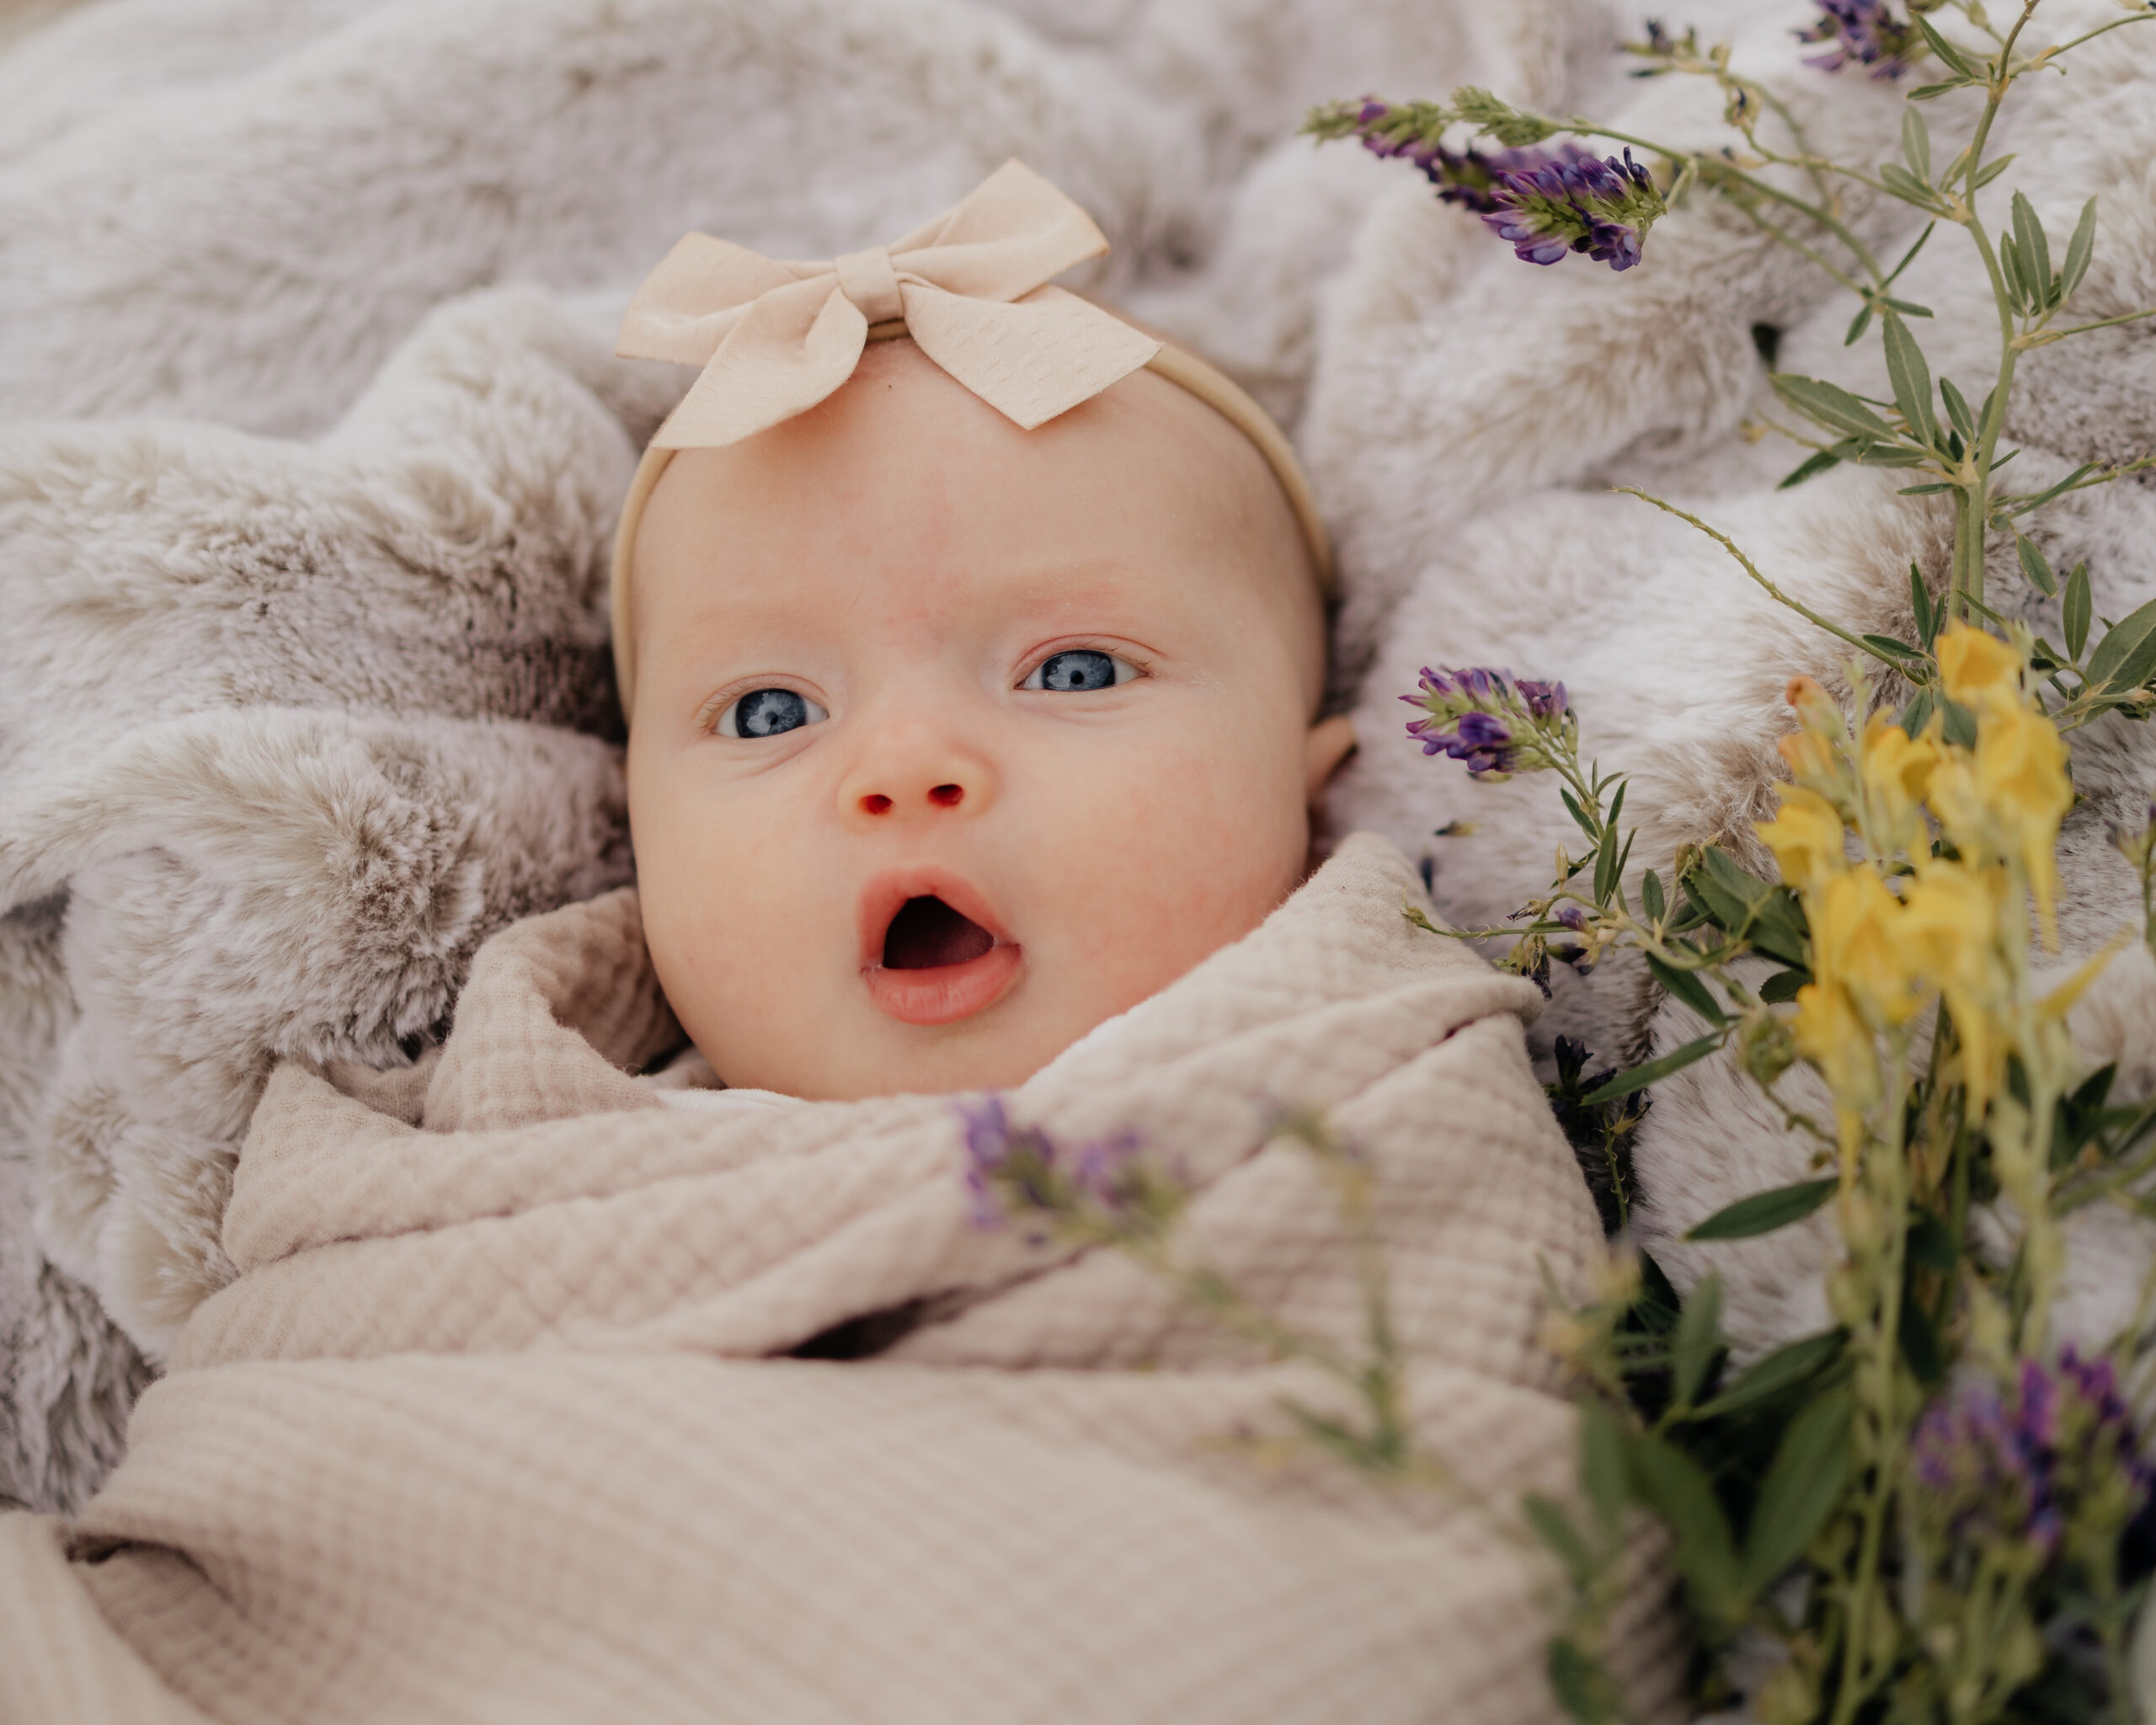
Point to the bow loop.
(776, 337)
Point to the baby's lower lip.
(945, 993)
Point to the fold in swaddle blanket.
(491, 1424)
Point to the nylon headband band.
(1179, 367)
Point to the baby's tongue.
(927, 933)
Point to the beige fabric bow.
(775, 338)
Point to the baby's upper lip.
(886, 893)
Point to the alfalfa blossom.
(1601, 206)
(1866, 32)
(1468, 177)
(1099, 1186)
(1496, 723)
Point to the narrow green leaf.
(2078, 250)
(1957, 409)
(1911, 378)
(1584, 1686)
(1830, 406)
(1893, 648)
(1910, 308)
(2010, 267)
(1909, 256)
(1918, 713)
(1784, 1369)
(1605, 869)
(1948, 55)
(1654, 1071)
(1579, 813)
(1811, 467)
(2027, 505)
(1858, 325)
(1803, 1483)
(1926, 93)
(1991, 171)
(2036, 251)
(1922, 490)
(1889, 455)
(1765, 914)
(1906, 186)
(2033, 565)
(1650, 897)
(2125, 657)
(1779, 989)
(1958, 725)
(2075, 611)
(1697, 1340)
(1920, 604)
(1555, 1527)
(1602, 1468)
(1764, 1212)
(1916, 144)
(1677, 1489)
(1686, 986)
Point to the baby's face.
(952, 740)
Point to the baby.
(951, 739)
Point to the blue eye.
(1079, 671)
(768, 712)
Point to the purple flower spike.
(1603, 207)
(1864, 31)
(1492, 723)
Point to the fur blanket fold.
(512, 1281)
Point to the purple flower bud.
(1603, 207)
(1864, 31)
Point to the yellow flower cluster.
(1896, 926)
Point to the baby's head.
(949, 740)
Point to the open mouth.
(930, 962)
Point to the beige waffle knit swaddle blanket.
(496, 1422)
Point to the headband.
(970, 288)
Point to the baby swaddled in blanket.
(971, 643)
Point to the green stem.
(2106, 322)
(1772, 592)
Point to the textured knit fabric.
(497, 1422)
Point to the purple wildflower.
(1011, 1168)
(1864, 31)
(1603, 207)
(2012, 1468)
(1495, 724)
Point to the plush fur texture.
(305, 488)
(1470, 414)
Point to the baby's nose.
(925, 779)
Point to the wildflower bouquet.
(1928, 1510)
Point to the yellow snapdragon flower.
(1806, 838)
(1857, 944)
(1953, 934)
(1897, 769)
(1972, 665)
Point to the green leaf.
(1916, 144)
(1922, 490)
(1784, 1369)
(2078, 250)
(1958, 724)
(2010, 267)
(1650, 897)
(1766, 916)
(1918, 713)
(1893, 648)
(1697, 1340)
(1810, 468)
(2036, 251)
(1764, 1212)
(2125, 657)
(2033, 565)
(1926, 93)
(1582, 1683)
(1555, 1527)
(1601, 1469)
(1931, 1243)
(1991, 171)
(1889, 455)
(2074, 612)
(1830, 406)
(2028, 504)
(1686, 986)
(1906, 186)
(1948, 55)
(1917, 1338)
(1858, 325)
(1909, 256)
(1911, 378)
(1677, 1489)
(1625, 1083)
(1579, 813)
(1803, 1484)
(1958, 409)
(1779, 989)
(1909, 308)
(1920, 604)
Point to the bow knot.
(776, 337)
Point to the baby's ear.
(1331, 742)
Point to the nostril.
(876, 803)
(948, 795)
